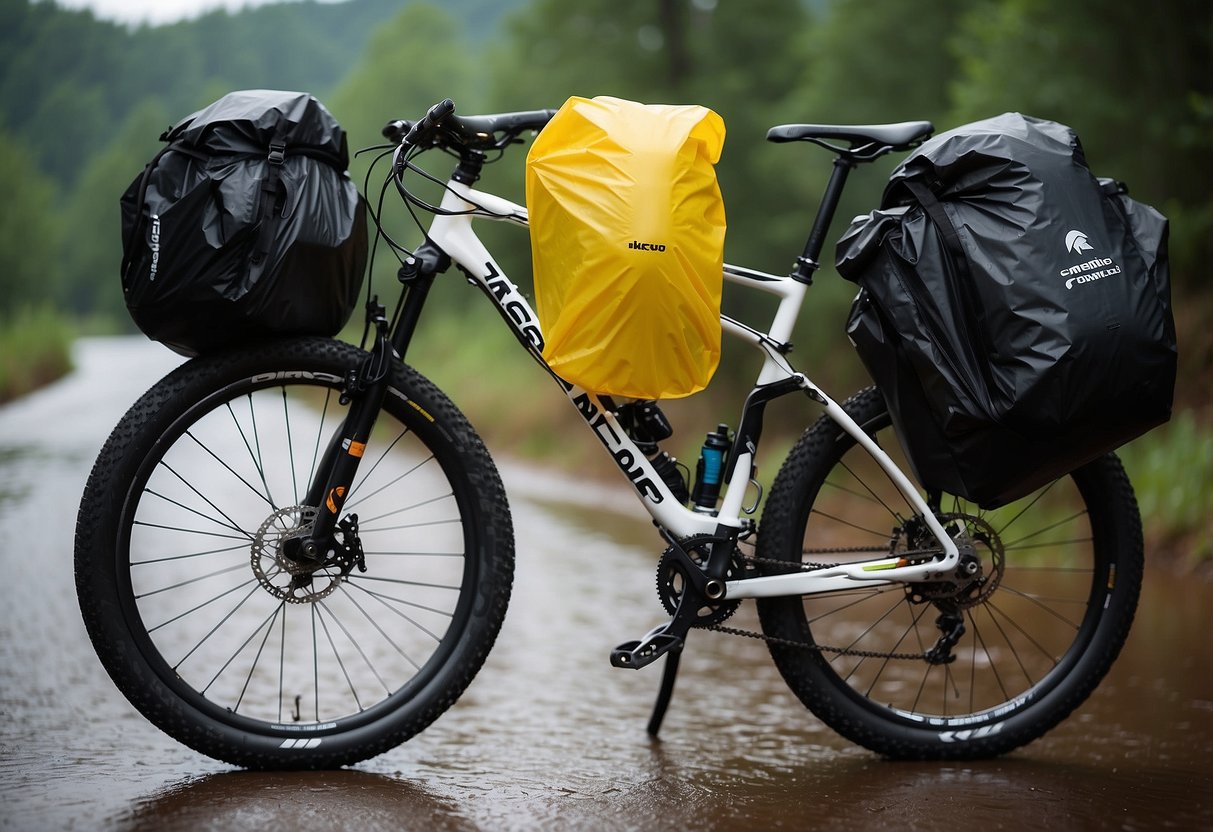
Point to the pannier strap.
(270, 189)
(943, 223)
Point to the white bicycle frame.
(453, 233)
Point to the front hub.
(280, 562)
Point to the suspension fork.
(365, 390)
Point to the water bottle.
(710, 471)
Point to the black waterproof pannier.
(1015, 311)
(246, 225)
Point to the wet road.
(548, 735)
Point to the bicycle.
(298, 555)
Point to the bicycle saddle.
(900, 136)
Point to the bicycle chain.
(813, 567)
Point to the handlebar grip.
(395, 129)
(440, 111)
(430, 120)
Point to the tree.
(742, 60)
(93, 261)
(1136, 84)
(875, 61)
(412, 61)
(29, 234)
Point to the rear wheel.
(1054, 584)
(206, 616)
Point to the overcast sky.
(156, 11)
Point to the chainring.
(670, 579)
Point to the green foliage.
(66, 76)
(82, 102)
(1170, 470)
(35, 348)
(29, 233)
(92, 263)
(742, 60)
(1136, 84)
(390, 82)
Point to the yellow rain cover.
(627, 239)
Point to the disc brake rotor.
(294, 579)
(980, 569)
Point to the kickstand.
(667, 690)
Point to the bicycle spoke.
(233, 472)
(1011, 544)
(281, 662)
(382, 456)
(230, 524)
(206, 603)
(257, 658)
(200, 532)
(254, 456)
(337, 655)
(238, 651)
(873, 532)
(979, 639)
(382, 597)
(863, 481)
(1011, 646)
(1035, 600)
(315, 664)
(362, 499)
(1043, 651)
(168, 558)
(328, 395)
(357, 646)
(404, 655)
(913, 625)
(290, 444)
(402, 581)
(364, 523)
(1051, 545)
(1036, 498)
(193, 580)
(214, 629)
(369, 553)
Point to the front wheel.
(1049, 604)
(202, 611)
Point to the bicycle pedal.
(638, 654)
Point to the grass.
(35, 349)
(1172, 472)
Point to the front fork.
(365, 390)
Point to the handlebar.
(440, 127)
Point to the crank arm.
(662, 639)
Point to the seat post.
(808, 263)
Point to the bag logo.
(154, 245)
(646, 246)
(1076, 242)
(1090, 271)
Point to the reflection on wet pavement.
(549, 736)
